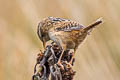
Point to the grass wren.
(65, 33)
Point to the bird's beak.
(44, 44)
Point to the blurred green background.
(98, 58)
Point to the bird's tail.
(97, 22)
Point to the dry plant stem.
(47, 64)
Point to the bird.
(67, 34)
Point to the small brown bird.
(66, 33)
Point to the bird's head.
(43, 28)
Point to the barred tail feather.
(97, 22)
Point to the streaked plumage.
(66, 33)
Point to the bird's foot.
(68, 63)
(71, 61)
(60, 64)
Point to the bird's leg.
(72, 56)
(63, 46)
(59, 60)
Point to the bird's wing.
(68, 26)
(61, 24)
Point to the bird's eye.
(42, 35)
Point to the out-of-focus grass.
(98, 58)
